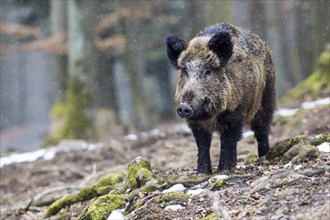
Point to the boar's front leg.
(203, 140)
(229, 138)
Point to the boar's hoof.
(184, 110)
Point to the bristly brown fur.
(227, 76)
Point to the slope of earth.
(262, 190)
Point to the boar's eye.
(184, 71)
(207, 72)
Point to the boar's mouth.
(199, 112)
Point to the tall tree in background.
(78, 122)
(58, 20)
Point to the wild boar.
(226, 77)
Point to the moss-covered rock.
(316, 85)
(212, 216)
(278, 150)
(87, 193)
(217, 185)
(102, 207)
(138, 173)
(167, 197)
(297, 148)
(251, 158)
(319, 139)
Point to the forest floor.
(263, 190)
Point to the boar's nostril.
(184, 110)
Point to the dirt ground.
(171, 150)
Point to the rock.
(312, 172)
(280, 148)
(250, 159)
(297, 148)
(102, 207)
(138, 173)
(116, 215)
(175, 188)
(195, 191)
(173, 208)
(104, 186)
(324, 147)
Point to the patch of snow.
(221, 177)
(285, 112)
(49, 153)
(116, 215)
(175, 188)
(312, 104)
(46, 154)
(247, 134)
(299, 166)
(240, 166)
(131, 137)
(305, 105)
(324, 147)
(173, 207)
(288, 165)
(195, 191)
(182, 128)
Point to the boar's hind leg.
(203, 141)
(262, 121)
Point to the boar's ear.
(175, 46)
(221, 45)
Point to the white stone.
(221, 177)
(116, 215)
(195, 191)
(247, 134)
(288, 165)
(324, 147)
(299, 166)
(173, 207)
(131, 137)
(285, 112)
(313, 104)
(175, 188)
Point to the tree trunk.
(58, 20)
(82, 70)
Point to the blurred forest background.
(83, 69)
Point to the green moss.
(280, 120)
(104, 186)
(8, 151)
(325, 137)
(251, 158)
(143, 189)
(278, 150)
(73, 115)
(283, 193)
(77, 125)
(65, 201)
(324, 61)
(110, 179)
(58, 110)
(316, 85)
(216, 185)
(139, 172)
(306, 152)
(102, 207)
(167, 197)
(212, 216)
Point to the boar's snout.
(184, 110)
